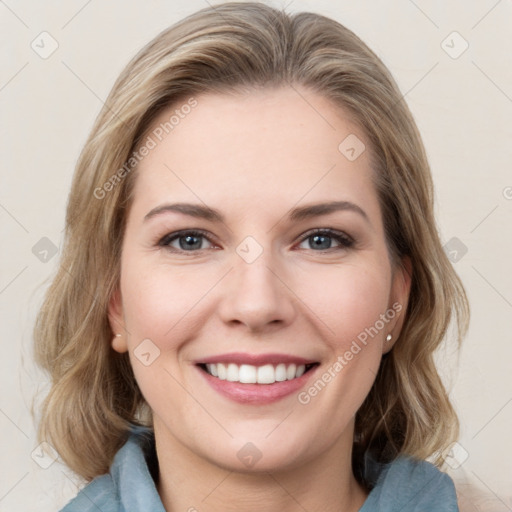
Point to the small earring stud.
(389, 337)
(118, 335)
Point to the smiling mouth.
(249, 374)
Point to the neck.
(188, 482)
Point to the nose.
(256, 295)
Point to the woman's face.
(254, 339)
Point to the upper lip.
(255, 359)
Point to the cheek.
(351, 306)
(159, 300)
(350, 300)
(167, 303)
(159, 305)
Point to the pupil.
(316, 238)
(189, 242)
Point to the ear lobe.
(115, 318)
(399, 299)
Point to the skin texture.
(254, 157)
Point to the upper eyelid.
(182, 232)
(329, 231)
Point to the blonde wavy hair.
(94, 398)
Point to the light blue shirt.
(404, 485)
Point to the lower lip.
(257, 394)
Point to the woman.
(252, 286)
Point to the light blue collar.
(406, 484)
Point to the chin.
(250, 457)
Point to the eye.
(193, 240)
(189, 240)
(322, 239)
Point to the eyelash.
(345, 241)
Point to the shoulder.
(127, 487)
(100, 494)
(409, 484)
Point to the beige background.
(462, 105)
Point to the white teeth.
(221, 371)
(266, 374)
(249, 374)
(290, 372)
(280, 372)
(232, 373)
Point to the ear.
(116, 320)
(399, 299)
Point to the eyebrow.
(296, 214)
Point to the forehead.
(265, 147)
